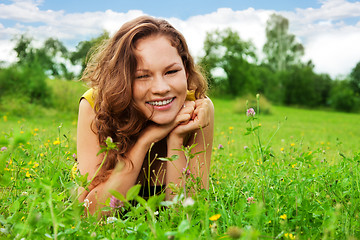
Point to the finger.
(202, 117)
(182, 118)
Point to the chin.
(162, 120)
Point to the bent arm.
(88, 146)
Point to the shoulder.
(90, 95)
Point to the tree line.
(234, 69)
(230, 63)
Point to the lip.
(161, 107)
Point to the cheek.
(138, 92)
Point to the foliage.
(343, 97)
(303, 87)
(51, 56)
(281, 48)
(85, 48)
(355, 79)
(25, 81)
(227, 51)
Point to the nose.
(160, 85)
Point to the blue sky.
(180, 9)
(328, 29)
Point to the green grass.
(304, 184)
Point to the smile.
(161, 103)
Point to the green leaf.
(184, 225)
(169, 159)
(133, 192)
(117, 195)
(155, 200)
(141, 200)
(103, 149)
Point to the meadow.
(293, 174)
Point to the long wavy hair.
(111, 72)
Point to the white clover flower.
(111, 220)
(87, 203)
(188, 202)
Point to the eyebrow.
(167, 67)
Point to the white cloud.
(330, 42)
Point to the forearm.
(122, 178)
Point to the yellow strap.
(89, 96)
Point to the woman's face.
(160, 84)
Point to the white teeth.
(161, 103)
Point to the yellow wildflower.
(5, 118)
(41, 154)
(35, 165)
(215, 217)
(36, 129)
(21, 132)
(28, 174)
(282, 149)
(259, 124)
(231, 128)
(284, 217)
(292, 144)
(57, 142)
(74, 171)
(289, 236)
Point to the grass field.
(303, 184)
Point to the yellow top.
(90, 95)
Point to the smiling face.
(160, 84)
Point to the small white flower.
(87, 203)
(111, 220)
(156, 213)
(24, 194)
(188, 202)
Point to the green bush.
(240, 105)
(66, 94)
(26, 81)
(343, 98)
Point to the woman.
(149, 98)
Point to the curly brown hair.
(111, 71)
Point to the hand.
(199, 112)
(155, 132)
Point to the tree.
(83, 49)
(50, 57)
(355, 78)
(23, 49)
(281, 48)
(225, 50)
(302, 86)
